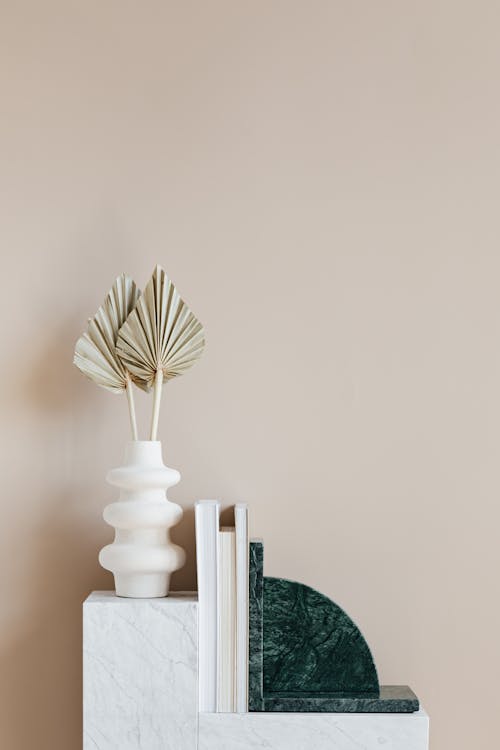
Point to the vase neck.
(143, 453)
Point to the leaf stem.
(156, 403)
(131, 407)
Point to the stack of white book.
(222, 566)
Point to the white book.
(207, 553)
(241, 525)
(226, 688)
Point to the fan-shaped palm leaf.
(95, 351)
(161, 337)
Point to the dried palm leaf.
(95, 351)
(160, 339)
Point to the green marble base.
(392, 699)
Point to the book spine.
(207, 531)
(242, 584)
(227, 622)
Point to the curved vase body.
(142, 557)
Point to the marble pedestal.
(140, 691)
(140, 673)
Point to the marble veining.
(255, 627)
(140, 681)
(311, 645)
(298, 731)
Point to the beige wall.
(321, 181)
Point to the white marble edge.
(321, 731)
(421, 713)
(109, 597)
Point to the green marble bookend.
(311, 645)
(307, 655)
(255, 626)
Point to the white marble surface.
(140, 681)
(280, 731)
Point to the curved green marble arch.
(311, 645)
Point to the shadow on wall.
(49, 385)
(41, 637)
(183, 535)
(41, 669)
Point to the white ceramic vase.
(142, 557)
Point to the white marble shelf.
(140, 691)
(284, 731)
